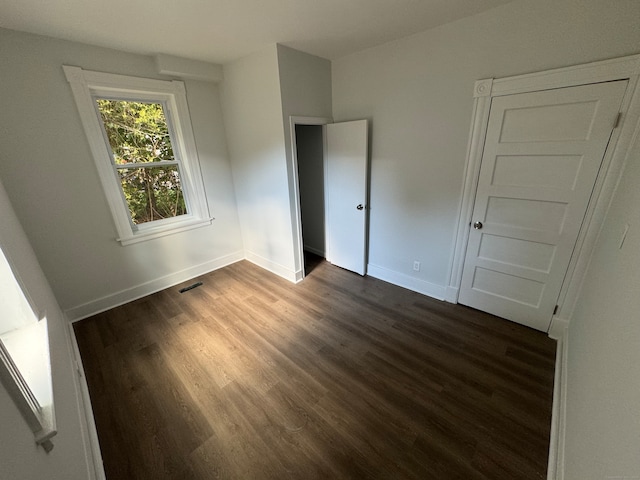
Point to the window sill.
(25, 372)
(161, 231)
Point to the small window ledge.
(87, 87)
(145, 234)
(25, 372)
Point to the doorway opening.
(309, 154)
(330, 191)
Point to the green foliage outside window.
(139, 138)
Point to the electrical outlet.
(416, 265)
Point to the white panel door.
(541, 157)
(346, 191)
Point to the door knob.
(477, 225)
(360, 207)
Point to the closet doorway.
(309, 143)
(331, 167)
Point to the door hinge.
(555, 309)
(617, 121)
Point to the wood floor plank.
(339, 376)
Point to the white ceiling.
(222, 30)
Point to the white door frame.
(613, 162)
(298, 244)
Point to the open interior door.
(346, 195)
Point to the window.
(142, 154)
(25, 367)
(140, 135)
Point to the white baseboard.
(316, 251)
(555, 468)
(451, 294)
(406, 281)
(124, 296)
(558, 327)
(274, 267)
(93, 455)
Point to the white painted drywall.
(305, 86)
(51, 178)
(417, 92)
(253, 121)
(20, 457)
(259, 94)
(603, 389)
(310, 146)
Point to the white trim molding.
(294, 189)
(625, 68)
(594, 72)
(555, 466)
(479, 122)
(113, 300)
(273, 267)
(39, 417)
(558, 328)
(187, 68)
(92, 453)
(451, 294)
(482, 88)
(87, 86)
(25, 355)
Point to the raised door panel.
(541, 158)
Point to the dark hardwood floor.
(251, 377)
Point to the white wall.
(310, 146)
(305, 85)
(259, 94)
(52, 181)
(417, 92)
(603, 390)
(253, 121)
(20, 457)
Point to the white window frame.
(87, 86)
(30, 338)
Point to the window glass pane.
(152, 193)
(137, 131)
(15, 311)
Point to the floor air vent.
(190, 287)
